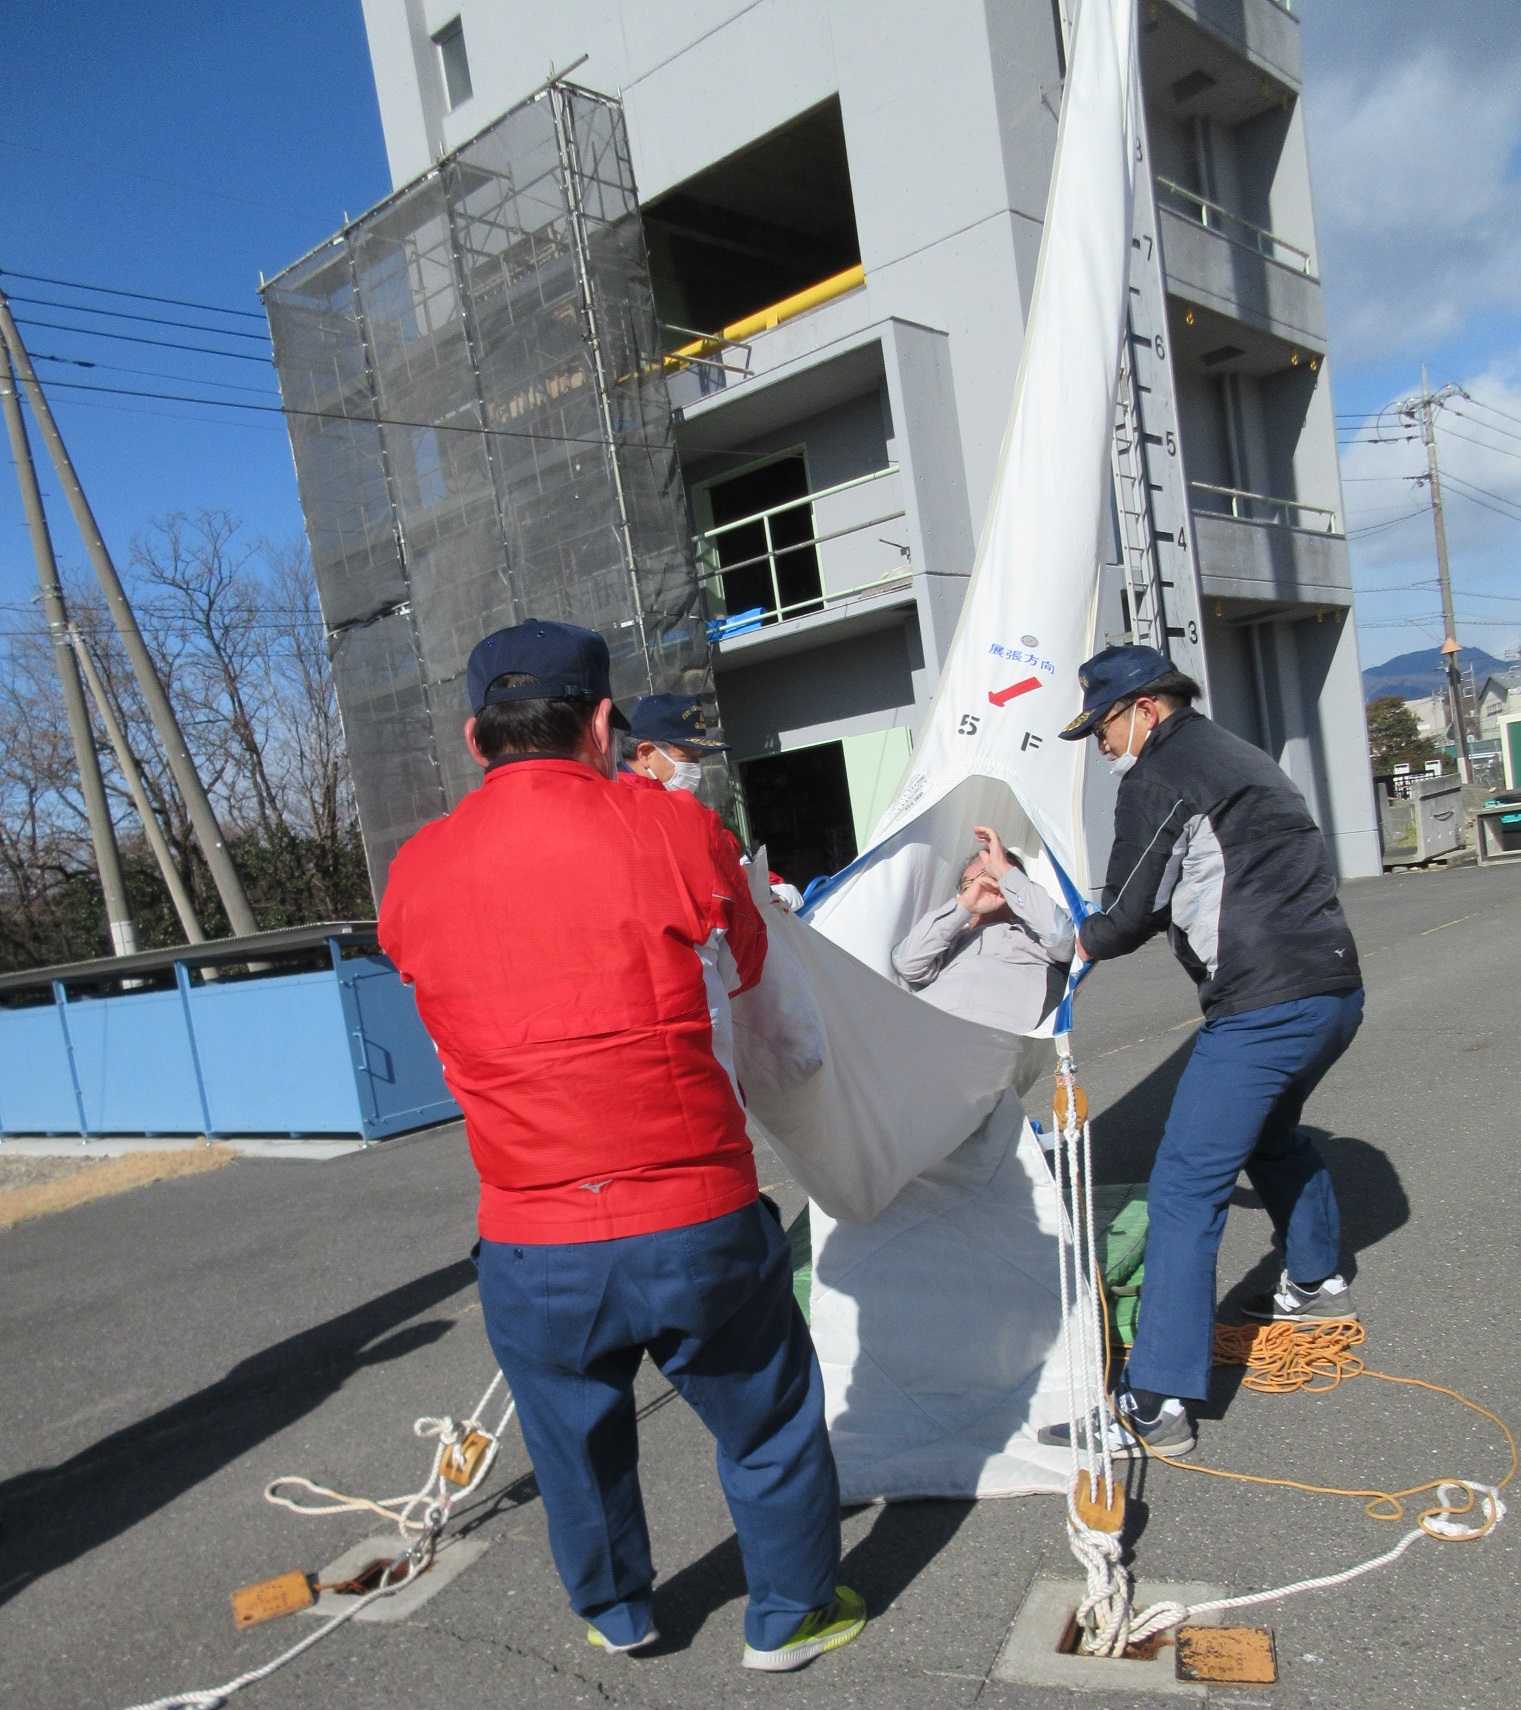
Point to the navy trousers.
(1237, 1108)
(713, 1305)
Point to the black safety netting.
(482, 434)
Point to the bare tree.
(236, 635)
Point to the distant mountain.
(1413, 675)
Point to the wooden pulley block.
(1069, 1107)
(1092, 1509)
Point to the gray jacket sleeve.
(919, 956)
(1035, 908)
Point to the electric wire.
(367, 420)
(136, 296)
(143, 338)
(151, 320)
(151, 373)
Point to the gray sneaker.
(1170, 1433)
(1290, 1304)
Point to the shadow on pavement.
(56, 1514)
(905, 1538)
(1373, 1205)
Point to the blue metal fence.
(303, 1032)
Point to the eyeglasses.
(1109, 718)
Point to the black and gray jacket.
(1213, 842)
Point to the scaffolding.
(478, 413)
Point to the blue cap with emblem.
(1109, 677)
(560, 662)
(673, 718)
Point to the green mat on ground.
(1119, 1214)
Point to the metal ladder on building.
(1161, 583)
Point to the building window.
(450, 42)
(759, 555)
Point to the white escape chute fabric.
(1010, 677)
(855, 1084)
(937, 1323)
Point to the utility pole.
(91, 786)
(126, 760)
(198, 804)
(1450, 646)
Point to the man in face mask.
(1214, 845)
(667, 739)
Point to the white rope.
(1104, 1613)
(437, 1496)
(209, 1697)
(1443, 1526)
(435, 1489)
(1105, 1616)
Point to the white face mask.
(1120, 764)
(687, 774)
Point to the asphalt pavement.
(164, 1354)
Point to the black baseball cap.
(1109, 677)
(565, 662)
(673, 718)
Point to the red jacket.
(551, 926)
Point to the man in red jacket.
(573, 946)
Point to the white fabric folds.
(935, 1303)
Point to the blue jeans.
(1237, 1108)
(713, 1304)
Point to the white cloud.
(1479, 448)
(1418, 202)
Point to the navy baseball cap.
(1109, 677)
(565, 662)
(673, 718)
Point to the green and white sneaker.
(603, 1643)
(826, 1629)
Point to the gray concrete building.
(851, 194)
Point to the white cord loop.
(436, 1497)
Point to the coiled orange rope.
(1281, 1358)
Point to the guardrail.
(1249, 507)
(707, 345)
(778, 609)
(1232, 227)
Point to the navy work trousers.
(713, 1304)
(1237, 1108)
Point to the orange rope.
(1283, 1358)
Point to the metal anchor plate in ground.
(1031, 1655)
(453, 1556)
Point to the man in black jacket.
(1214, 844)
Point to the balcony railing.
(1191, 206)
(1260, 507)
(785, 578)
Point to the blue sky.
(1414, 118)
(174, 149)
(177, 149)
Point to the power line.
(1494, 409)
(151, 320)
(1483, 444)
(136, 296)
(1483, 426)
(1379, 527)
(340, 416)
(150, 373)
(142, 338)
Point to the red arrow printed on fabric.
(1002, 697)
